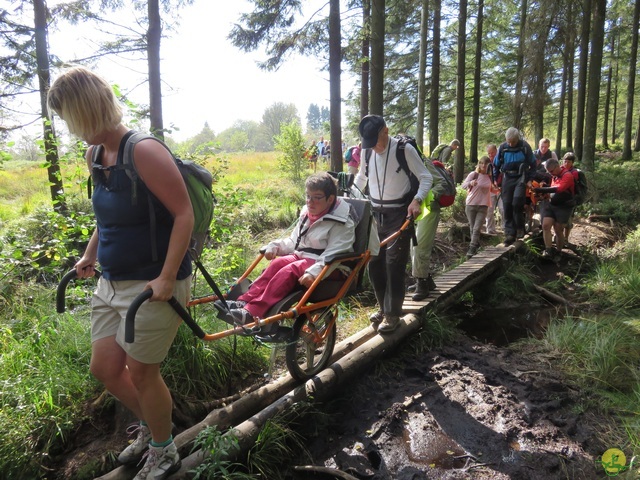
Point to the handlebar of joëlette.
(129, 326)
(129, 322)
(62, 288)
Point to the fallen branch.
(552, 296)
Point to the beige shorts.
(156, 323)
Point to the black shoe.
(473, 249)
(241, 316)
(376, 319)
(422, 289)
(509, 240)
(520, 234)
(549, 253)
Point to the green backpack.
(199, 183)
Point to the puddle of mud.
(425, 443)
(503, 326)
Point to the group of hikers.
(401, 181)
(526, 186)
(400, 184)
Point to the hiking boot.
(520, 234)
(232, 304)
(241, 316)
(549, 253)
(161, 462)
(376, 319)
(133, 453)
(389, 324)
(473, 249)
(422, 289)
(509, 240)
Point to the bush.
(290, 143)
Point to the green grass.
(22, 189)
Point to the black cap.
(369, 128)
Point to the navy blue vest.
(124, 231)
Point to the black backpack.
(403, 140)
(581, 187)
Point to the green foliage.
(46, 380)
(290, 143)
(515, 284)
(42, 245)
(615, 281)
(277, 441)
(614, 190)
(601, 349)
(219, 447)
(316, 118)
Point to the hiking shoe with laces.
(509, 240)
(473, 249)
(376, 319)
(134, 452)
(389, 324)
(161, 462)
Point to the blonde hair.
(86, 102)
(483, 160)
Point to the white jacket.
(331, 234)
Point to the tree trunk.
(364, 74)
(458, 165)
(477, 74)
(56, 187)
(517, 99)
(570, 62)
(540, 61)
(582, 76)
(607, 99)
(614, 119)
(377, 56)
(563, 95)
(335, 59)
(595, 74)
(628, 122)
(153, 58)
(434, 106)
(422, 71)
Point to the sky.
(206, 78)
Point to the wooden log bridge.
(453, 284)
(352, 356)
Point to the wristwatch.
(418, 199)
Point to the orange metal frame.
(302, 308)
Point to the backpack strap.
(132, 173)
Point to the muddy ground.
(478, 408)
